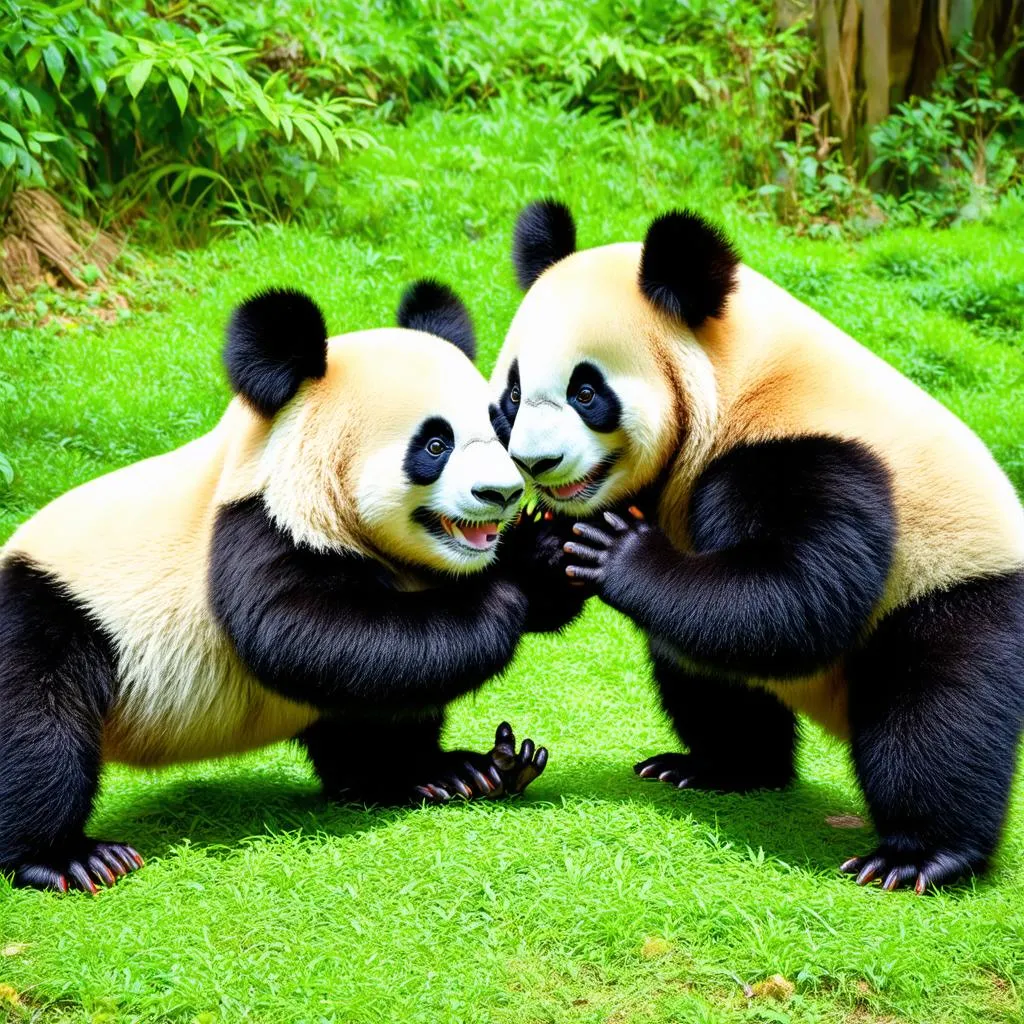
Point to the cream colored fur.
(772, 367)
(133, 546)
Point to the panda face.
(462, 485)
(589, 384)
(392, 453)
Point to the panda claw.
(460, 788)
(101, 872)
(484, 786)
(94, 862)
(81, 877)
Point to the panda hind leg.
(391, 761)
(740, 738)
(56, 683)
(936, 706)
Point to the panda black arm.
(792, 545)
(531, 557)
(327, 629)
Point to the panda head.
(602, 378)
(378, 441)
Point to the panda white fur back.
(322, 565)
(807, 530)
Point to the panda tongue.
(568, 490)
(481, 536)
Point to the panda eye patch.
(428, 450)
(594, 399)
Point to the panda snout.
(499, 497)
(536, 467)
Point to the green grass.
(260, 903)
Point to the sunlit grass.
(261, 903)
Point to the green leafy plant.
(951, 155)
(112, 104)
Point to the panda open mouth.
(582, 489)
(480, 536)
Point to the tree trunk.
(874, 54)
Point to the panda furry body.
(299, 571)
(810, 531)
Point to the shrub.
(949, 156)
(113, 103)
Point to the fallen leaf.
(654, 946)
(9, 995)
(14, 949)
(846, 821)
(775, 987)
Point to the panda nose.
(538, 466)
(500, 496)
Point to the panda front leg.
(389, 761)
(739, 738)
(56, 682)
(936, 703)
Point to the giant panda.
(794, 525)
(321, 565)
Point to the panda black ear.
(430, 306)
(275, 341)
(688, 267)
(544, 234)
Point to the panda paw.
(897, 868)
(92, 864)
(593, 556)
(502, 772)
(687, 771)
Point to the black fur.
(375, 760)
(275, 341)
(604, 410)
(430, 306)
(792, 544)
(688, 267)
(420, 464)
(739, 737)
(544, 234)
(56, 684)
(530, 554)
(936, 700)
(328, 629)
(503, 415)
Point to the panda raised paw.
(896, 869)
(92, 864)
(501, 772)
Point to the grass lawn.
(596, 897)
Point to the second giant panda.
(794, 525)
(321, 565)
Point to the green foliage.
(719, 70)
(949, 156)
(7, 395)
(114, 104)
(814, 189)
